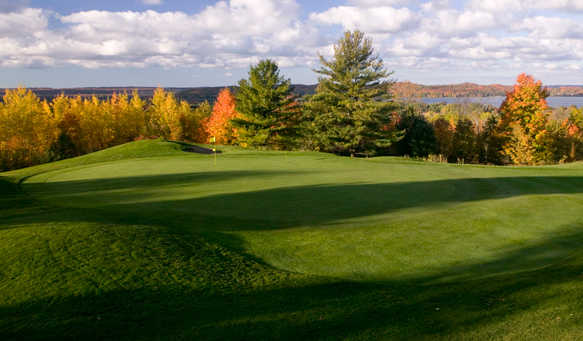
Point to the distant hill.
(413, 90)
(197, 95)
(400, 90)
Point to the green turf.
(146, 241)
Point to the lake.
(553, 101)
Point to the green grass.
(146, 241)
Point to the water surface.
(553, 101)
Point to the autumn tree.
(520, 148)
(524, 120)
(68, 143)
(163, 115)
(350, 112)
(27, 129)
(574, 126)
(219, 124)
(32, 131)
(268, 114)
(443, 130)
(195, 121)
(174, 120)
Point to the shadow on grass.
(63, 189)
(285, 207)
(313, 308)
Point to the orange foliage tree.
(574, 126)
(219, 124)
(524, 120)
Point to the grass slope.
(146, 241)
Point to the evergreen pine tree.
(267, 110)
(351, 110)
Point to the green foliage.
(464, 142)
(351, 110)
(268, 114)
(419, 138)
(490, 142)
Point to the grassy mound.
(147, 241)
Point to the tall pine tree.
(351, 110)
(268, 113)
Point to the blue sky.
(180, 43)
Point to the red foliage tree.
(218, 125)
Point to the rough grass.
(145, 241)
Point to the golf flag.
(213, 139)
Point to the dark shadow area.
(16, 205)
(287, 207)
(192, 148)
(312, 309)
(90, 187)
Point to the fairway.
(147, 241)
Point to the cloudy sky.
(66, 43)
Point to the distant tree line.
(413, 90)
(351, 113)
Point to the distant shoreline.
(399, 90)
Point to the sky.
(190, 43)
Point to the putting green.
(318, 214)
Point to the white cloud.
(450, 23)
(372, 20)
(551, 27)
(526, 5)
(378, 3)
(429, 36)
(152, 2)
(23, 23)
(227, 34)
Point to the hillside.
(197, 95)
(146, 241)
(413, 90)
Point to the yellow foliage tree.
(32, 131)
(27, 129)
(525, 106)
